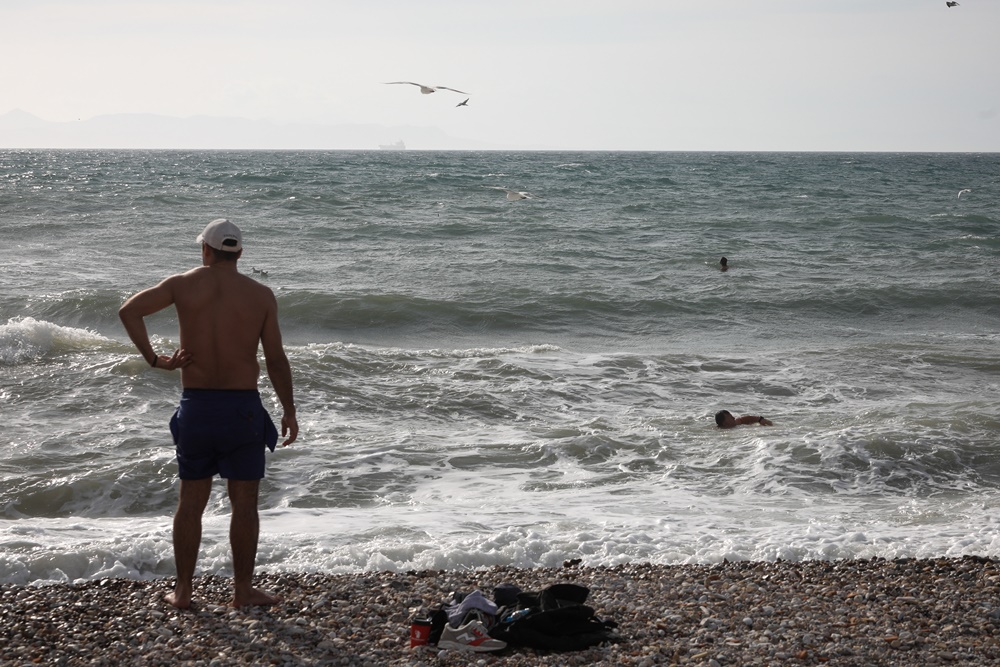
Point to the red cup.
(420, 632)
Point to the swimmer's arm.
(141, 305)
(754, 419)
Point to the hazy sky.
(563, 74)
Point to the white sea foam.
(25, 339)
(392, 539)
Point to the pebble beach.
(855, 612)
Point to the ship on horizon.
(398, 146)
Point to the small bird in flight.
(427, 90)
(962, 192)
(952, 4)
(463, 103)
(514, 195)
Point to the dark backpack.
(554, 619)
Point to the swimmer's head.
(721, 417)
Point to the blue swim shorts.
(222, 432)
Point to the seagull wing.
(452, 90)
(426, 90)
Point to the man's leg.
(194, 495)
(244, 529)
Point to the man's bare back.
(223, 316)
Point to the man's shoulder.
(254, 284)
(190, 273)
(255, 290)
(203, 277)
(179, 279)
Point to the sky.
(717, 75)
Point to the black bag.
(554, 619)
(438, 619)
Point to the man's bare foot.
(254, 596)
(179, 600)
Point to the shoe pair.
(473, 636)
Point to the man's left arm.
(133, 313)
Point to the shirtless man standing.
(221, 426)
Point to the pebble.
(845, 613)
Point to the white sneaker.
(470, 637)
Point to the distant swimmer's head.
(725, 419)
(724, 264)
(223, 237)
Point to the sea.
(485, 382)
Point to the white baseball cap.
(222, 235)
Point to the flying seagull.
(463, 103)
(427, 90)
(952, 4)
(962, 192)
(514, 195)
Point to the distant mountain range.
(19, 129)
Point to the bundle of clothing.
(555, 618)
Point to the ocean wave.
(25, 339)
(647, 306)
